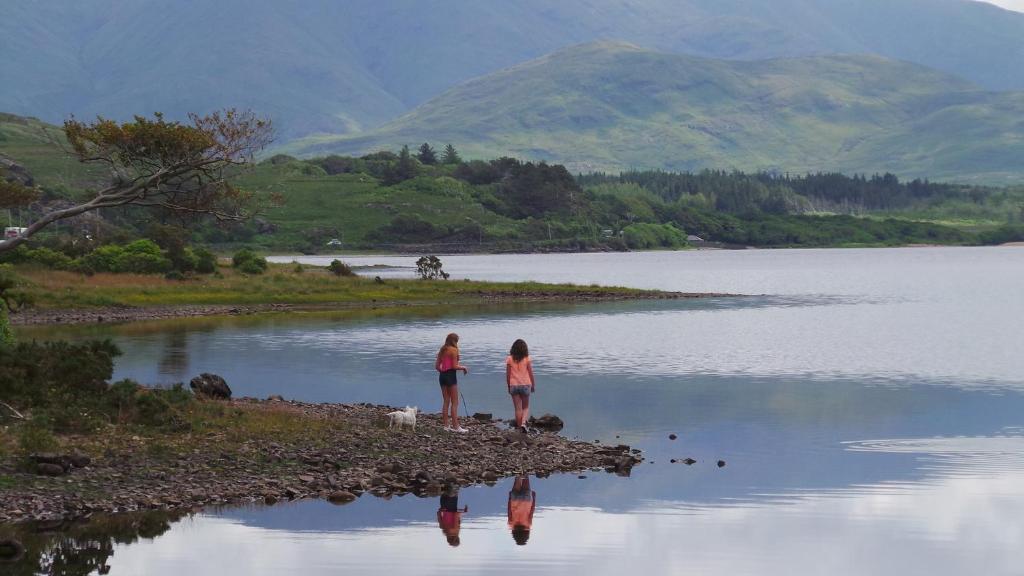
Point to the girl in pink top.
(520, 382)
(447, 365)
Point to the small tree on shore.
(339, 268)
(429, 268)
(450, 155)
(426, 155)
(167, 166)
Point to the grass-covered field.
(37, 146)
(351, 206)
(282, 284)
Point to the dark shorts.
(450, 503)
(524, 494)
(520, 390)
(447, 378)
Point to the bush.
(339, 268)
(142, 263)
(102, 259)
(206, 261)
(138, 257)
(646, 236)
(66, 382)
(132, 403)
(248, 262)
(429, 268)
(50, 258)
(35, 437)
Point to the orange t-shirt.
(520, 512)
(519, 374)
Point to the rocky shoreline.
(117, 314)
(120, 314)
(349, 452)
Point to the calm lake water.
(869, 405)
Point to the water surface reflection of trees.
(80, 548)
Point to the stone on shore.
(210, 385)
(341, 497)
(11, 550)
(548, 422)
(48, 469)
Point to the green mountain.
(341, 67)
(612, 105)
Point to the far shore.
(69, 298)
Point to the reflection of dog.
(400, 418)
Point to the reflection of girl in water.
(521, 503)
(449, 517)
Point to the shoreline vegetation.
(264, 451)
(74, 444)
(64, 297)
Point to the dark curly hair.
(519, 350)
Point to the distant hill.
(611, 105)
(38, 150)
(341, 67)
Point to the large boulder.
(11, 550)
(210, 385)
(548, 422)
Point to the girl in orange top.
(521, 503)
(520, 382)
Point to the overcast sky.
(1017, 5)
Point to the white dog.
(400, 418)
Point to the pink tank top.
(448, 362)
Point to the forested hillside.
(429, 198)
(614, 106)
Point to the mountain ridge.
(611, 105)
(319, 66)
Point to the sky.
(1017, 5)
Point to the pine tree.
(407, 166)
(450, 155)
(427, 155)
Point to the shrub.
(6, 335)
(34, 436)
(62, 380)
(50, 258)
(248, 262)
(644, 236)
(131, 403)
(429, 268)
(138, 257)
(142, 263)
(206, 261)
(102, 259)
(339, 268)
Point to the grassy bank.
(287, 284)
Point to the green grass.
(356, 204)
(38, 147)
(62, 290)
